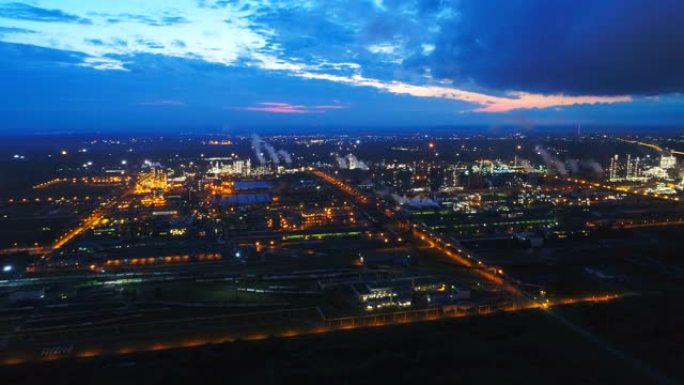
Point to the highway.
(651, 146)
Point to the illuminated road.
(177, 340)
(496, 276)
(647, 224)
(163, 336)
(30, 250)
(639, 223)
(651, 146)
(456, 254)
(90, 221)
(342, 186)
(644, 144)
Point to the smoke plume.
(260, 147)
(286, 156)
(342, 162)
(551, 161)
(256, 146)
(592, 165)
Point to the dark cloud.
(343, 31)
(171, 20)
(25, 56)
(604, 47)
(150, 43)
(11, 30)
(28, 12)
(73, 97)
(97, 42)
(149, 20)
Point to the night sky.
(124, 65)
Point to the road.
(385, 217)
(496, 276)
(188, 332)
(91, 220)
(174, 333)
(651, 146)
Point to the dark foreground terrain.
(631, 341)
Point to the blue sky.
(84, 65)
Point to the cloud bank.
(496, 56)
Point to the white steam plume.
(286, 156)
(573, 164)
(551, 161)
(256, 146)
(342, 162)
(592, 165)
(271, 153)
